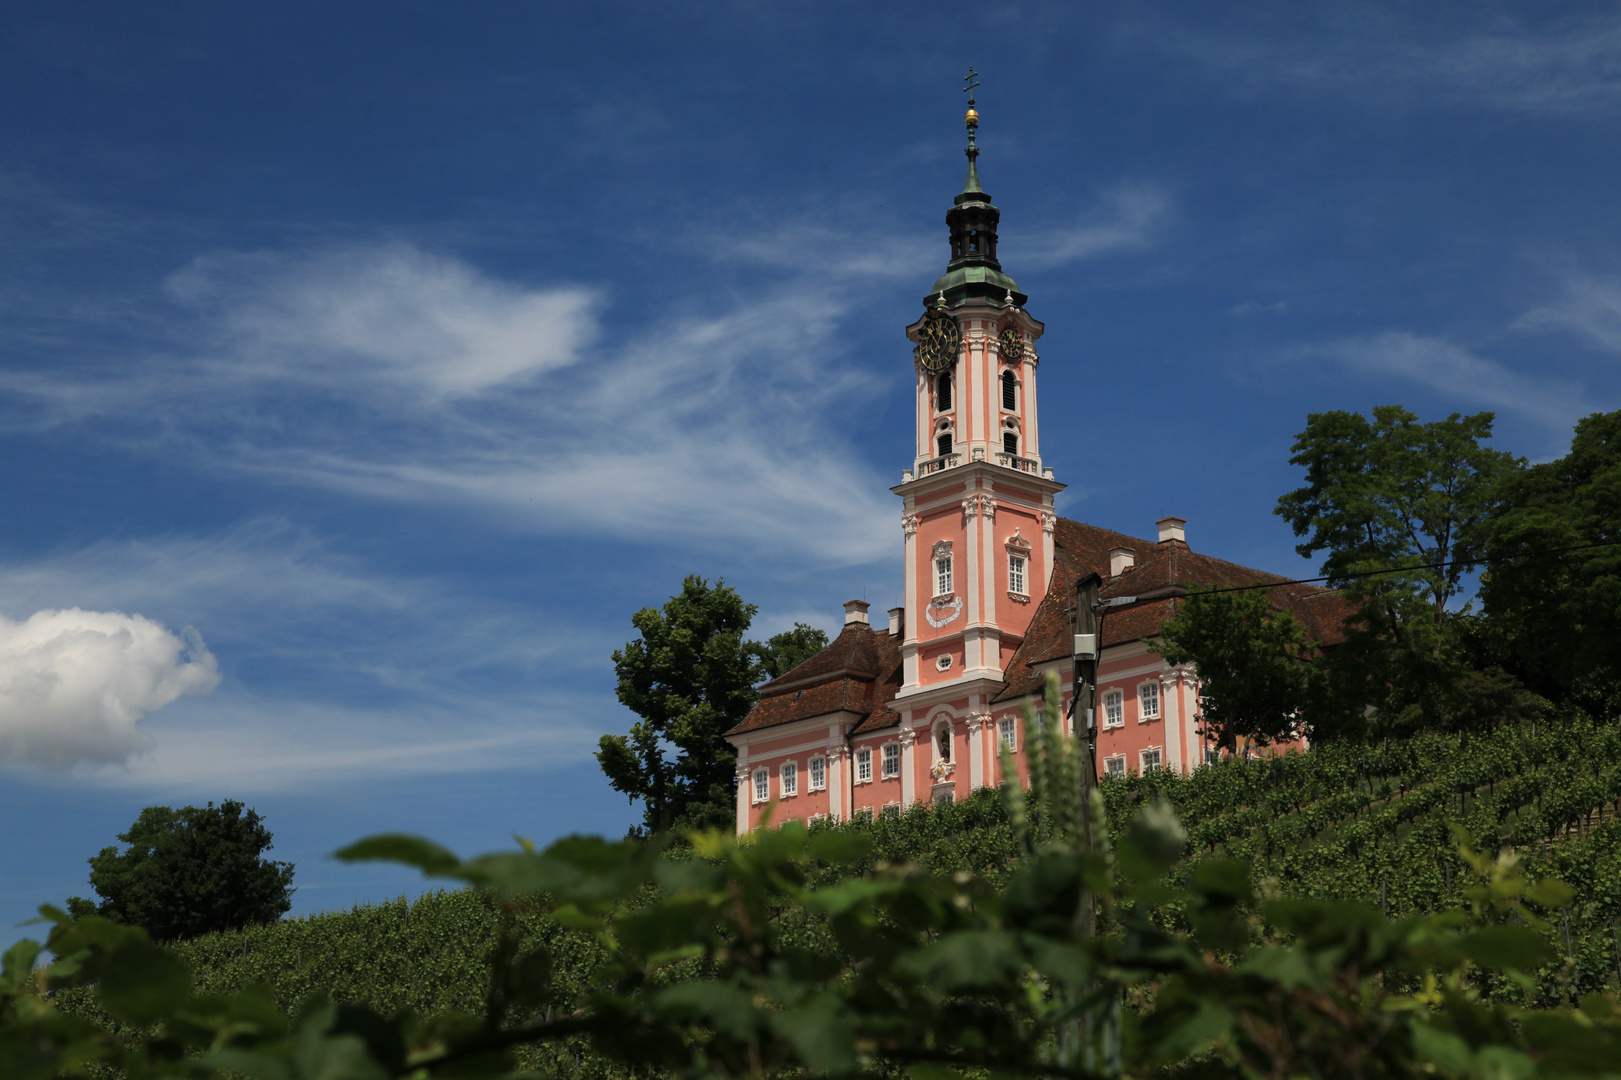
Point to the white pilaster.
(836, 784)
(1170, 707)
(976, 750)
(744, 794)
(908, 781)
(971, 585)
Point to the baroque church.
(919, 709)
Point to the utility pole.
(1083, 696)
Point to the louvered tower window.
(943, 443)
(1010, 442)
(1010, 389)
(942, 394)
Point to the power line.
(1410, 569)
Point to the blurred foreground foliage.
(795, 952)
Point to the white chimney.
(897, 621)
(1122, 559)
(1172, 528)
(855, 611)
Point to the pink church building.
(917, 709)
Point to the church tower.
(978, 515)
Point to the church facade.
(917, 709)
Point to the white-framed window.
(863, 813)
(863, 766)
(1148, 702)
(942, 575)
(789, 771)
(1010, 391)
(1007, 729)
(1114, 709)
(814, 818)
(818, 773)
(892, 760)
(892, 809)
(762, 785)
(1015, 575)
(1150, 759)
(1114, 766)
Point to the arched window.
(943, 444)
(1010, 391)
(942, 393)
(1010, 443)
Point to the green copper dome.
(973, 272)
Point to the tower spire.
(974, 271)
(971, 187)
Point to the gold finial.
(972, 79)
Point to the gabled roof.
(1163, 574)
(858, 671)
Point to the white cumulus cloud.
(74, 684)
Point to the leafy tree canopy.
(691, 676)
(1389, 492)
(190, 871)
(1253, 661)
(1561, 614)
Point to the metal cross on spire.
(972, 81)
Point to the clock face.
(1012, 344)
(940, 341)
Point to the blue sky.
(363, 367)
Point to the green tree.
(690, 676)
(785, 651)
(190, 871)
(1557, 617)
(1391, 493)
(1257, 681)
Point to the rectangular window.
(892, 810)
(762, 785)
(892, 760)
(1009, 391)
(790, 778)
(1114, 766)
(1148, 698)
(1114, 710)
(1010, 443)
(942, 576)
(1015, 575)
(863, 766)
(818, 771)
(1007, 728)
(1150, 759)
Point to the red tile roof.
(1162, 575)
(860, 670)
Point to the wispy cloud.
(247, 743)
(1126, 218)
(1572, 66)
(1590, 308)
(1457, 372)
(401, 375)
(1255, 307)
